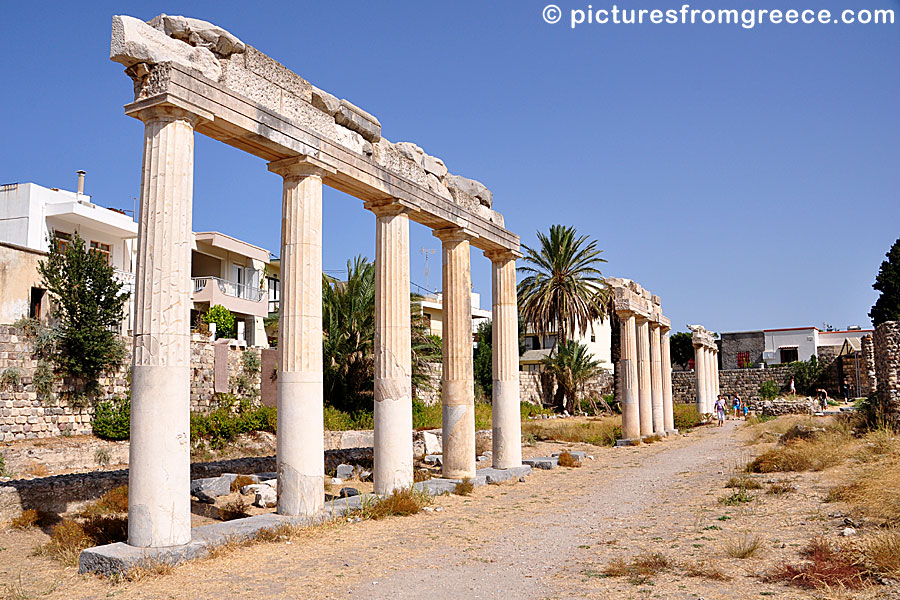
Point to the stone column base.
(671, 432)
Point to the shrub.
(101, 457)
(565, 459)
(229, 419)
(769, 390)
(801, 455)
(743, 482)
(828, 566)
(112, 419)
(251, 362)
(69, 537)
(3, 471)
(28, 519)
(236, 509)
(338, 420)
(527, 409)
(741, 496)
(114, 501)
(686, 417)
(223, 318)
(10, 378)
(43, 380)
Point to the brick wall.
(887, 367)
(25, 415)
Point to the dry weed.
(745, 546)
(464, 487)
(880, 553)
(816, 454)
(240, 481)
(114, 501)
(828, 566)
(565, 459)
(599, 431)
(874, 492)
(28, 519)
(641, 568)
(236, 509)
(402, 503)
(652, 438)
(704, 570)
(482, 445)
(148, 569)
(37, 469)
(743, 482)
(780, 487)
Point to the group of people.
(738, 407)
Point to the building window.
(102, 250)
(743, 360)
(63, 240)
(593, 338)
(549, 341)
(788, 355)
(37, 297)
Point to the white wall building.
(800, 343)
(598, 340)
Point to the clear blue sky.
(748, 177)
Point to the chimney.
(80, 181)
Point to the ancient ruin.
(706, 364)
(191, 76)
(645, 367)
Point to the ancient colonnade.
(706, 367)
(645, 367)
(212, 83)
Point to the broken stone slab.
(434, 165)
(493, 475)
(356, 119)
(576, 454)
(133, 42)
(438, 486)
(197, 32)
(470, 187)
(432, 442)
(434, 459)
(347, 492)
(325, 102)
(253, 488)
(344, 471)
(541, 462)
(266, 497)
(266, 475)
(210, 487)
(341, 506)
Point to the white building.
(597, 338)
(801, 343)
(433, 309)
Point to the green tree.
(681, 348)
(483, 358)
(88, 304)
(887, 307)
(223, 318)
(572, 366)
(563, 288)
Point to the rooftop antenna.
(425, 252)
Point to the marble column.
(715, 372)
(710, 383)
(393, 360)
(700, 372)
(628, 377)
(656, 384)
(506, 416)
(159, 504)
(644, 391)
(457, 381)
(668, 413)
(300, 442)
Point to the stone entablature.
(248, 100)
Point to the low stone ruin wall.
(24, 414)
(744, 382)
(531, 390)
(780, 406)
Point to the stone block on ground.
(541, 462)
(266, 497)
(266, 475)
(576, 454)
(347, 492)
(434, 459)
(344, 471)
(492, 475)
(432, 442)
(210, 487)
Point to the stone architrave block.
(492, 475)
(541, 462)
(356, 119)
(133, 42)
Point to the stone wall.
(832, 375)
(744, 382)
(867, 364)
(24, 414)
(532, 390)
(731, 344)
(887, 367)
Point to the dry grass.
(817, 454)
(599, 431)
(874, 492)
(780, 487)
(28, 519)
(745, 546)
(464, 487)
(400, 503)
(880, 553)
(148, 569)
(421, 475)
(650, 439)
(704, 570)
(828, 566)
(743, 482)
(236, 509)
(739, 496)
(115, 501)
(565, 459)
(240, 481)
(762, 431)
(641, 568)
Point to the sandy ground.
(550, 537)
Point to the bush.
(527, 409)
(229, 419)
(769, 390)
(565, 459)
(400, 503)
(114, 501)
(112, 419)
(464, 487)
(240, 481)
(223, 318)
(338, 420)
(28, 519)
(686, 417)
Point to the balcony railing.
(230, 288)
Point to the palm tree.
(564, 288)
(573, 365)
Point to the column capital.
(502, 255)
(655, 324)
(642, 318)
(624, 313)
(389, 207)
(454, 234)
(298, 167)
(167, 108)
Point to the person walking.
(735, 405)
(720, 411)
(793, 388)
